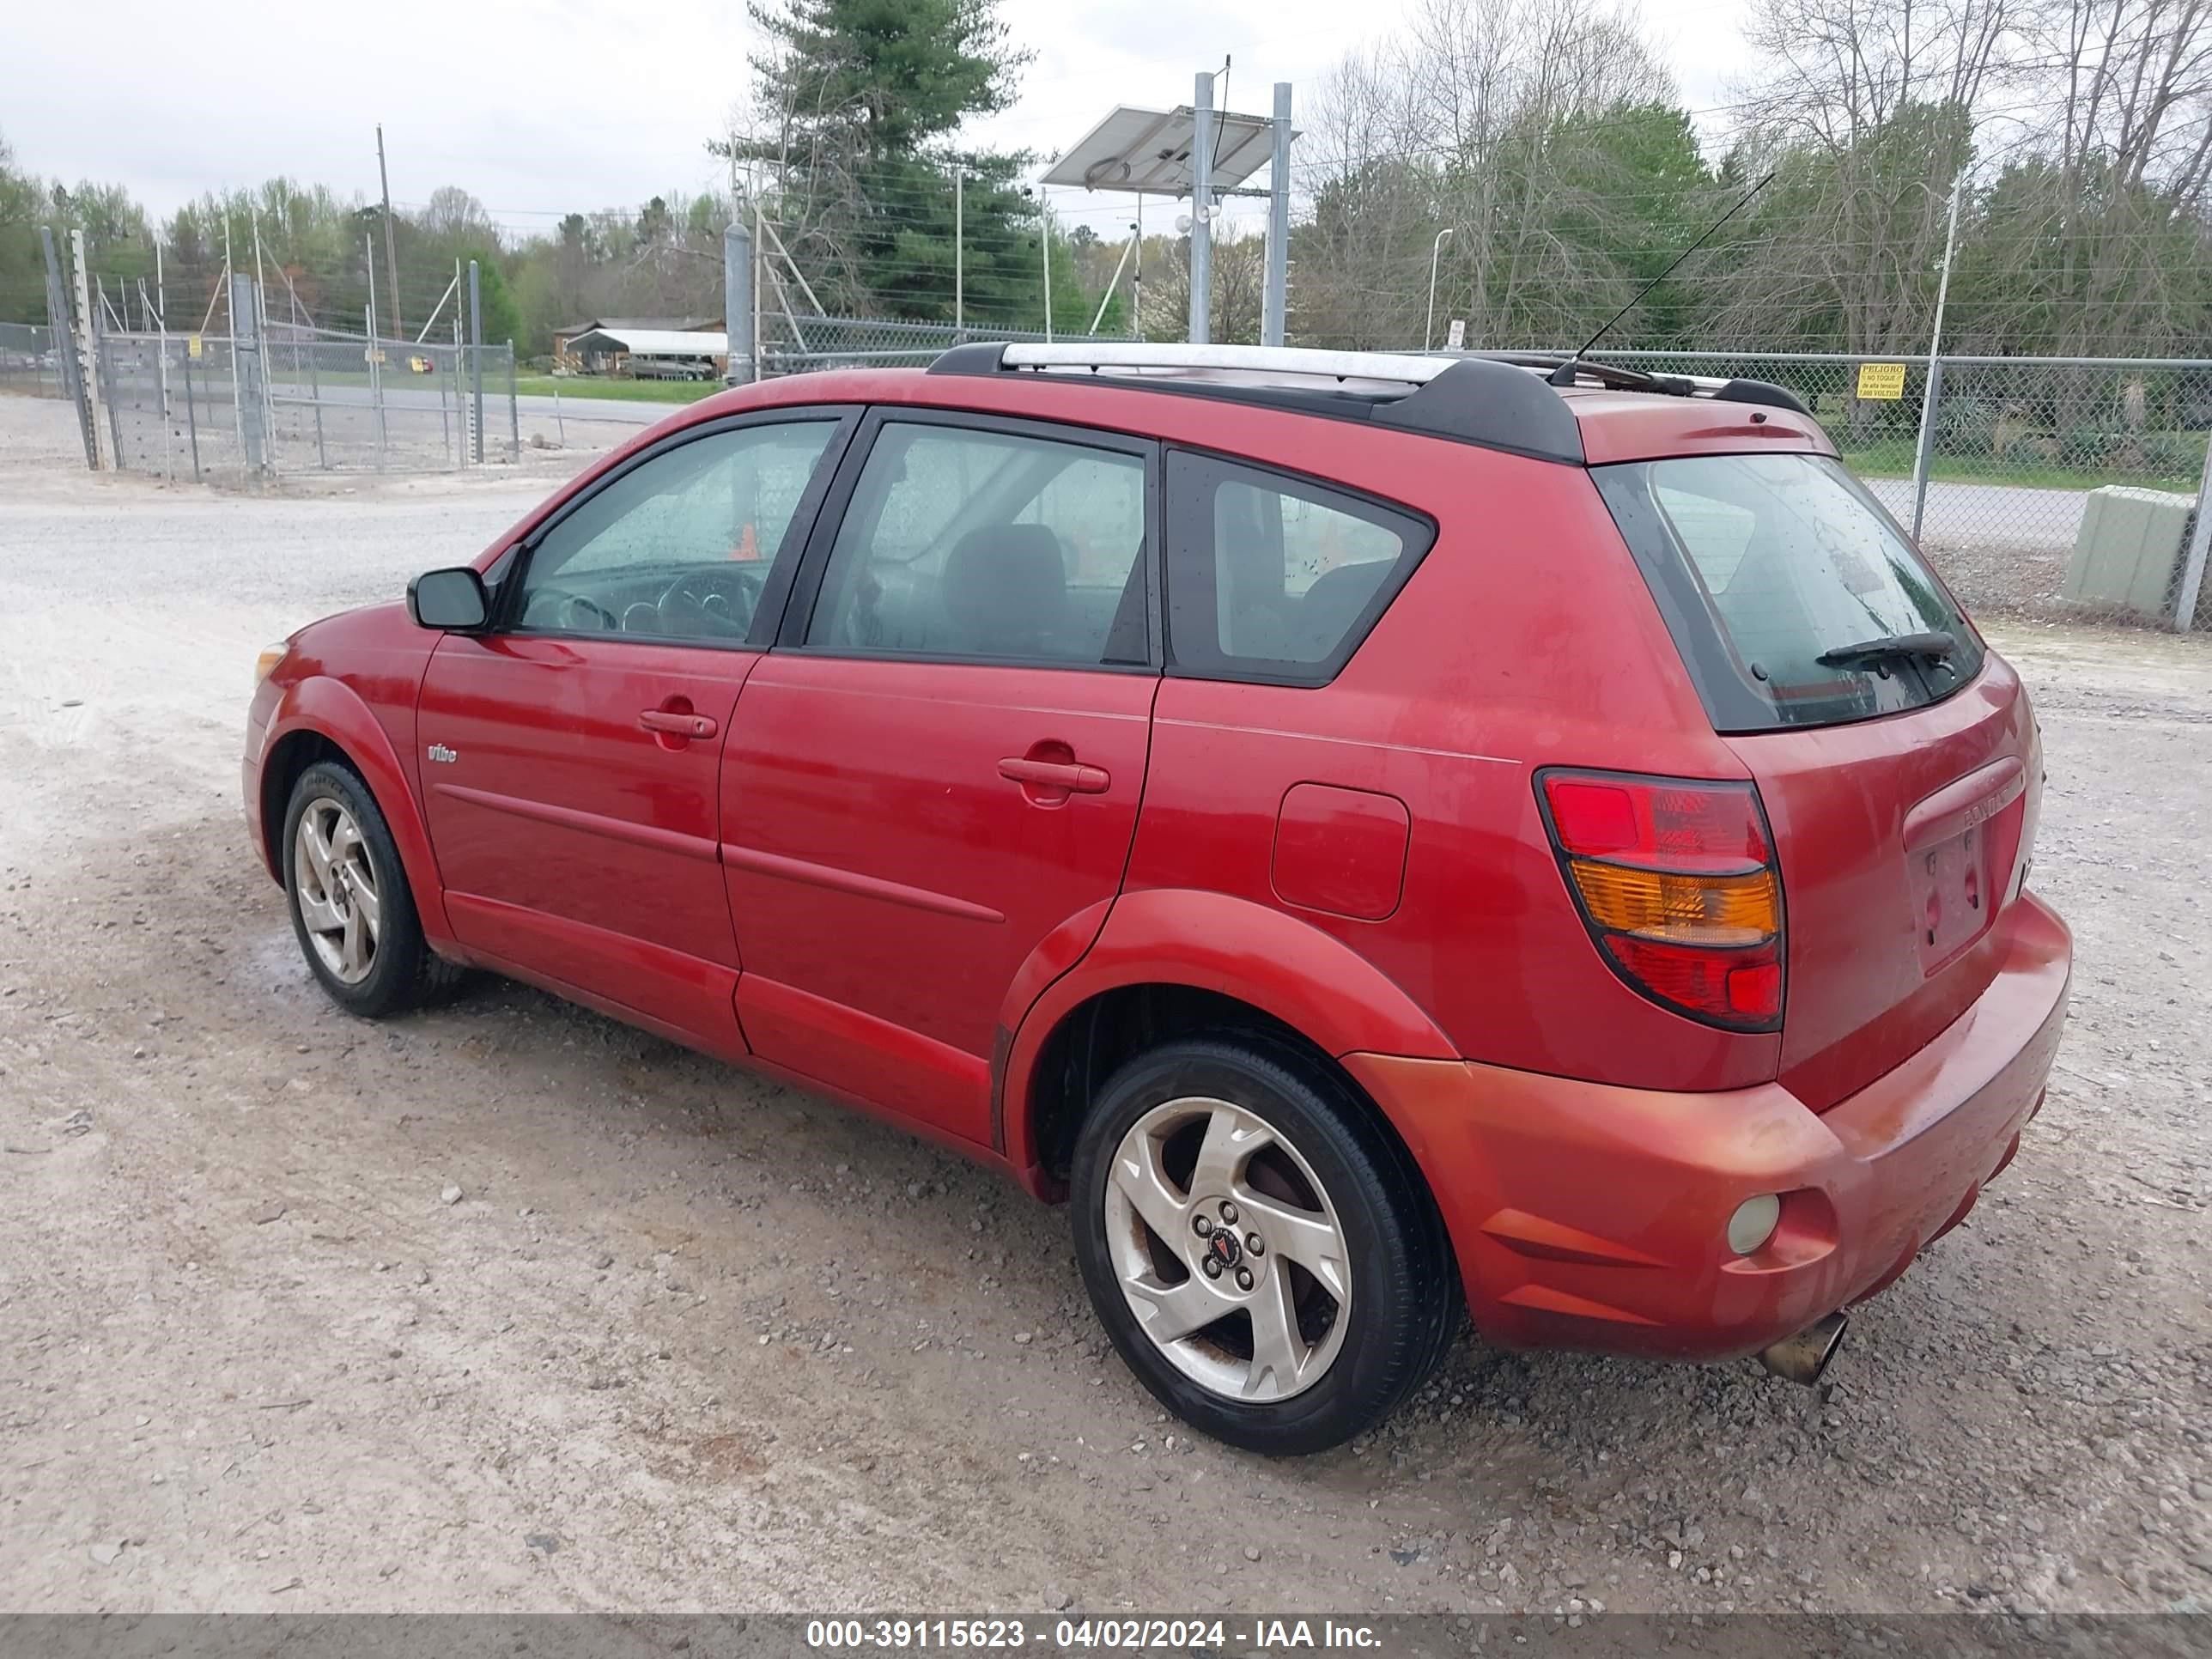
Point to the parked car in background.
(1382, 838)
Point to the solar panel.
(1148, 151)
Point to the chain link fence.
(799, 345)
(199, 407)
(271, 399)
(2016, 448)
(2015, 457)
(27, 364)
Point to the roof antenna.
(1565, 373)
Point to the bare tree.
(1518, 127)
(1867, 109)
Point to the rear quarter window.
(1273, 577)
(1763, 566)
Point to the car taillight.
(1675, 879)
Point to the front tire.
(352, 910)
(1263, 1256)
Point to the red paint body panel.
(889, 882)
(1642, 1183)
(1846, 806)
(352, 679)
(572, 822)
(844, 888)
(1283, 964)
(1452, 715)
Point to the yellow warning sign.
(1882, 382)
(192, 348)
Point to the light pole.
(1435, 250)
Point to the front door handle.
(676, 723)
(1070, 775)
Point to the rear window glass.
(1273, 578)
(1794, 598)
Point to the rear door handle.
(677, 723)
(1070, 775)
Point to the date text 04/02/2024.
(896, 1635)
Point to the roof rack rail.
(1478, 400)
(1563, 371)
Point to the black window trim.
(842, 419)
(806, 591)
(1317, 489)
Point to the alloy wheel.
(1228, 1250)
(339, 903)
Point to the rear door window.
(1771, 570)
(1271, 577)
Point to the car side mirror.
(452, 599)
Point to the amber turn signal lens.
(1685, 909)
(265, 664)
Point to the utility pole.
(1275, 306)
(959, 257)
(1202, 212)
(1044, 240)
(391, 260)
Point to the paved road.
(1989, 515)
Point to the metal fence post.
(737, 367)
(107, 378)
(374, 354)
(445, 448)
(1931, 403)
(476, 355)
(1275, 304)
(247, 371)
(315, 392)
(191, 412)
(2192, 561)
(1202, 212)
(66, 346)
(88, 350)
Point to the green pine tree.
(859, 101)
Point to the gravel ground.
(510, 1308)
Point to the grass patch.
(1891, 457)
(583, 388)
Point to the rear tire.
(1351, 1295)
(352, 910)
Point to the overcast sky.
(538, 109)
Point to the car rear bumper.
(1591, 1217)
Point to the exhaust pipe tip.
(1804, 1357)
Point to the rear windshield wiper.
(1895, 647)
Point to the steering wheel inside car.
(719, 601)
(563, 608)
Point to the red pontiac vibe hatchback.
(1375, 834)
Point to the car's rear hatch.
(1896, 758)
